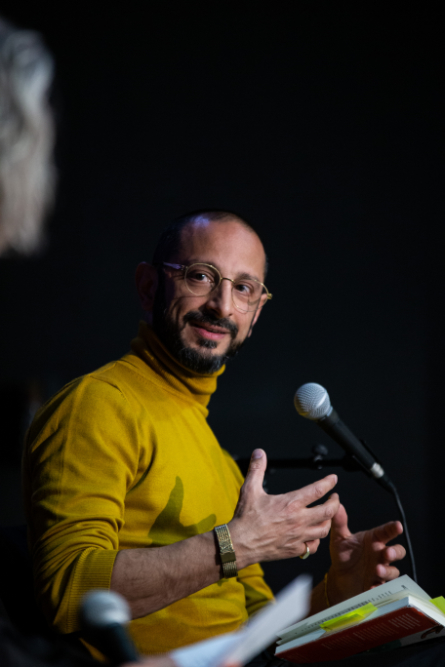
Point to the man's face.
(203, 331)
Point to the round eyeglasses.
(201, 279)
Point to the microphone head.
(101, 608)
(312, 401)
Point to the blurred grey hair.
(27, 173)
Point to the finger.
(323, 512)
(313, 546)
(387, 572)
(340, 524)
(313, 492)
(318, 532)
(392, 553)
(388, 531)
(255, 475)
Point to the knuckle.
(324, 532)
(313, 493)
(295, 499)
(292, 508)
(330, 511)
(319, 489)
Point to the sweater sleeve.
(81, 458)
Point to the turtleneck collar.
(171, 373)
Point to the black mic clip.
(348, 462)
(320, 453)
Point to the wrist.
(244, 556)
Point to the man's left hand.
(363, 560)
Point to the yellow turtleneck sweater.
(123, 458)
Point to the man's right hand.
(263, 528)
(267, 527)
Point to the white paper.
(209, 653)
(237, 648)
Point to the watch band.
(226, 551)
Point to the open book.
(396, 613)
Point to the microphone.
(103, 617)
(312, 402)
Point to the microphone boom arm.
(315, 462)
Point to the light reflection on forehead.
(202, 221)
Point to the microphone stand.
(318, 461)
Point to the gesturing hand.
(267, 527)
(363, 560)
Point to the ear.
(146, 285)
(257, 314)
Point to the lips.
(210, 328)
(209, 332)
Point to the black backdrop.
(320, 123)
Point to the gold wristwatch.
(226, 551)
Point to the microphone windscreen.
(101, 608)
(312, 401)
(104, 616)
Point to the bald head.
(196, 222)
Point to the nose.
(220, 299)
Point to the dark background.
(320, 123)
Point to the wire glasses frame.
(201, 279)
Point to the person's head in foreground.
(27, 173)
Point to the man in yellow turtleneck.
(127, 488)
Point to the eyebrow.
(247, 276)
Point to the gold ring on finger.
(307, 554)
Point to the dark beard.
(195, 359)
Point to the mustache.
(202, 318)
